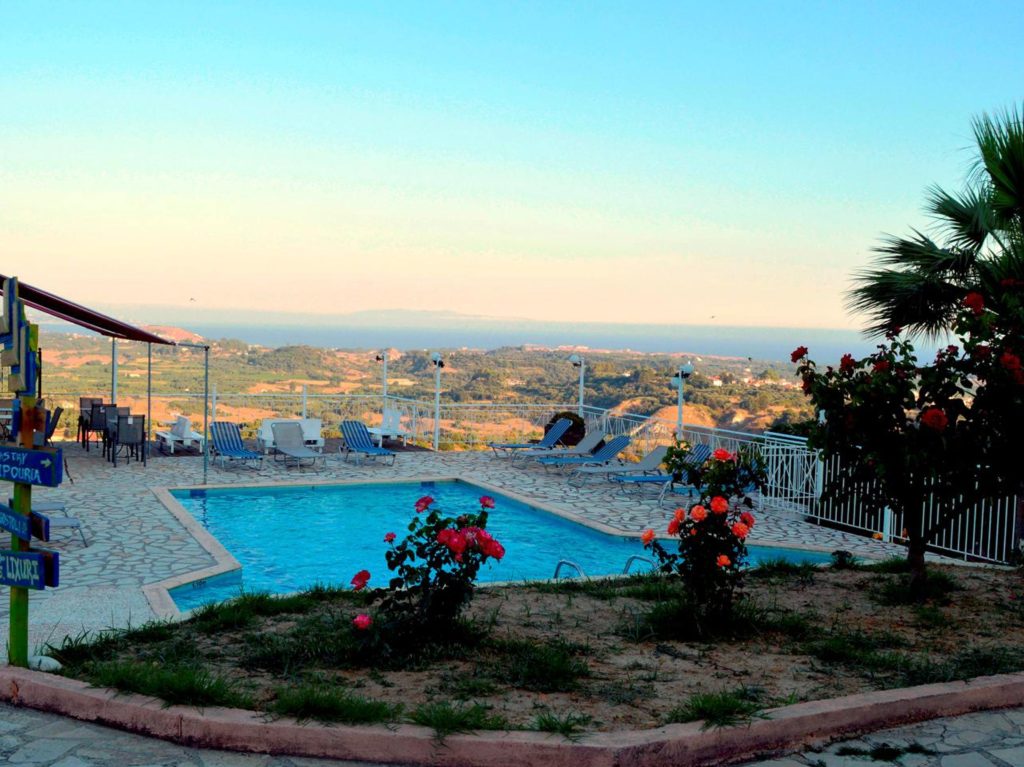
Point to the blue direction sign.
(34, 526)
(43, 466)
(33, 569)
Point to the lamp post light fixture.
(679, 380)
(435, 357)
(578, 362)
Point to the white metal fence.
(798, 481)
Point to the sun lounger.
(650, 463)
(57, 522)
(547, 442)
(585, 447)
(289, 444)
(228, 445)
(359, 442)
(601, 458)
(180, 435)
(699, 455)
(390, 427)
(312, 435)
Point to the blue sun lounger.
(555, 433)
(359, 441)
(228, 445)
(601, 458)
(697, 458)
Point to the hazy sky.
(636, 162)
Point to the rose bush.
(435, 567)
(711, 551)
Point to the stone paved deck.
(36, 739)
(134, 540)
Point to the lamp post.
(679, 379)
(383, 359)
(578, 362)
(438, 364)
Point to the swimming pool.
(292, 537)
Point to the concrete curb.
(678, 745)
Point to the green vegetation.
(719, 709)
(175, 685)
(569, 724)
(331, 704)
(447, 719)
(543, 667)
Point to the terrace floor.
(133, 540)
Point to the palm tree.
(919, 283)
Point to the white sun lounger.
(180, 435)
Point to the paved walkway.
(34, 739)
(134, 540)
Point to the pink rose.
(486, 502)
(389, 537)
(362, 621)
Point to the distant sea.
(769, 344)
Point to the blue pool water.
(290, 538)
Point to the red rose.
(747, 518)
(362, 621)
(719, 505)
(975, 302)
(935, 418)
(486, 502)
(798, 353)
(722, 455)
(1009, 360)
(423, 503)
(647, 537)
(360, 579)
(847, 363)
(389, 537)
(673, 526)
(881, 366)
(982, 352)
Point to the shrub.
(711, 551)
(435, 568)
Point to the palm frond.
(1000, 140)
(922, 254)
(922, 305)
(964, 219)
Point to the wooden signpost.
(24, 463)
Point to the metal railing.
(796, 475)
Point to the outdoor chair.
(586, 446)
(52, 421)
(180, 435)
(547, 442)
(84, 413)
(650, 463)
(290, 445)
(97, 424)
(113, 415)
(602, 457)
(359, 442)
(698, 456)
(390, 427)
(228, 445)
(131, 436)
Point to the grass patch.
(315, 641)
(464, 687)
(446, 719)
(719, 709)
(892, 565)
(643, 586)
(783, 569)
(182, 685)
(937, 588)
(568, 725)
(331, 704)
(243, 610)
(539, 666)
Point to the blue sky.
(667, 162)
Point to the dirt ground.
(634, 679)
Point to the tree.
(919, 282)
(945, 434)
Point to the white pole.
(384, 360)
(437, 403)
(303, 400)
(583, 367)
(213, 405)
(113, 370)
(679, 414)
